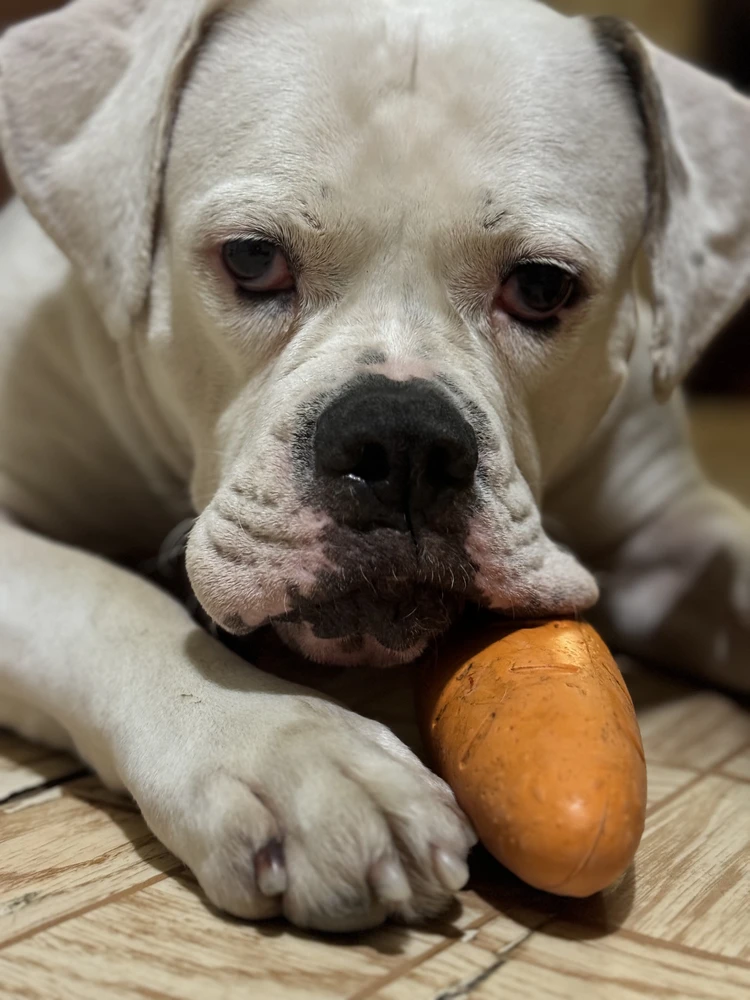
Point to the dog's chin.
(357, 651)
(367, 627)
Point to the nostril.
(373, 464)
(450, 467)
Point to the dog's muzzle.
(394, 468)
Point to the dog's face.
(392, 292)
(399, 272)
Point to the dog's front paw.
(322, 816)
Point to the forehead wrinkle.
(415, 58)
(417, 40)
(396, 39)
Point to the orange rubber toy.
(534, 730)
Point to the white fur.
(410, 148)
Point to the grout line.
(683, 949)
(717, 767)
(733, 777)
(45, 786)
(409, 966)
(713, 772)
(88, 908)
(668, 799)
(502, 957)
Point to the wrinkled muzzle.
(363, 539)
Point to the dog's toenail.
(452, 871)
(270, 869)
(389, 882)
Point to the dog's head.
(383, 267)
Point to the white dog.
(395, 296)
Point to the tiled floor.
(92, 907)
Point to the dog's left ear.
(697, 130)
(87, 98)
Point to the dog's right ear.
(87, 99)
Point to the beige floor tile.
(697, 730)
(562, 962)
(691, 882)
(163, 942)
(25, 766)
(58, 856)
(556, 964)
(664, 781)
(739, 766)
(459, 964)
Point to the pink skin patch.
(522, 572)
(405, 369)
(303, 566)
(481, 547)
(243, 577)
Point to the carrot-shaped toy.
(534, 730)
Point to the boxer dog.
(394, 298)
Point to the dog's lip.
(254, 620)
(413, 590)
(395, 620)
(402, 593)
(365, 651)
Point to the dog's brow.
(313, 220)
(493, 220)
(250, 212)
(491, 216)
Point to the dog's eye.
(258, 266)
(537, 292)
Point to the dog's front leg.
(670, 550)
(279, 800)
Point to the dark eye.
(537, 292)
(257, 266)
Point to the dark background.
(726, 366)
(721, 44)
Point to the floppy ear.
(698, 240)
(87, 98)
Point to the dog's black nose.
(393, 454)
